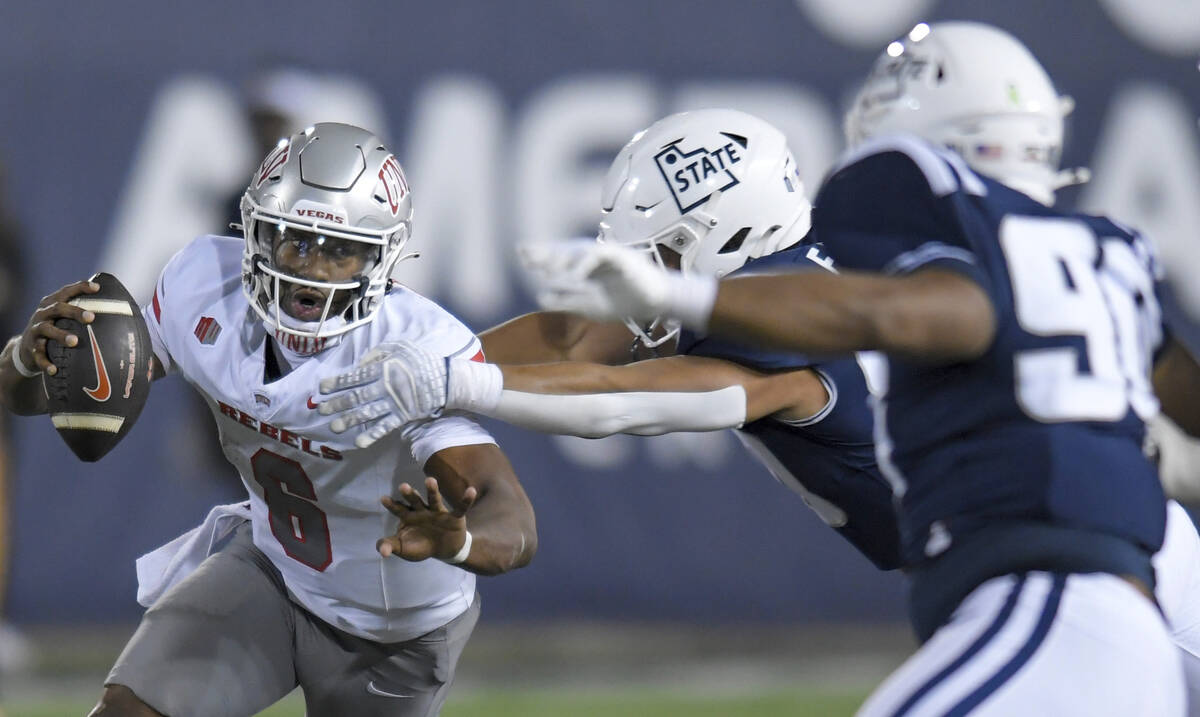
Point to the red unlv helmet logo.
(394, 183)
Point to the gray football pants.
(227, 642)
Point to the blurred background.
(671, 566)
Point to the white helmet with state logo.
(704, 191)
(330, 185)
(977, 90)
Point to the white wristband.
(473, 386)
(15, 342)
(461, 556)
(690, 299)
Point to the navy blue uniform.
(1031, 456)
(829, 459)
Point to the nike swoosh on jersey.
(311, 406)
(102, 390)
(382, 693)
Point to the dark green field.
(582, 704)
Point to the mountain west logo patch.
(695, 175)
(207, 330)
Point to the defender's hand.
(427, 530)
(601, 281)
(41, 326)
(395, 384)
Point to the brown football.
(103, 381)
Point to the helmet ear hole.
(735, 242)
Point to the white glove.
(608, 281)
(395, 383)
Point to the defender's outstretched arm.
(795, 394)
(545, 336)
(933, 314)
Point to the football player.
(705, 192)
(1018, 342)
(302, 594)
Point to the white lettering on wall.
(453, 158)
(866, 24)
(1147, 174)
(1170, 26)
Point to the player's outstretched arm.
(681, 393)
(24, 357)
(477, 514)
(793, 394)
(933, 314)
(545, 336)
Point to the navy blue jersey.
(1044, 428)
(828, 459)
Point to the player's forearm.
(23, 396)
(594, 401)
(938, 317)
(502, 525)
(499, 518)
(546, 336)
(504, 538)
(641, 413)
(569, 377)
(1177, 384)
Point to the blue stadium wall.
(111, 113)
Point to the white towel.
(160, 569)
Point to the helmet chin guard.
(333, 181)
(977, 90)
(715, 187)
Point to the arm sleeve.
(897, 205)
(640, 413)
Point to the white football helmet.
(977, 90)
(716, 187)
(330, 184)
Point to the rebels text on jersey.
(1046, 427)
(828, 459)
(314, 495)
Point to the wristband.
(461, 556)
(473, 386)
(690, 299)
(16, 359)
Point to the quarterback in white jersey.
(309, 488)
(346, 580)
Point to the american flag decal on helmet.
(207, 330)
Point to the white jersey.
(314, 496)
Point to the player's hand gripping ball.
(101, 383)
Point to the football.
(103, 381)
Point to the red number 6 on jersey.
(296, 521)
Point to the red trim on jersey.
(479, 357)
(157, 308)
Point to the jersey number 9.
(1068, 284)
